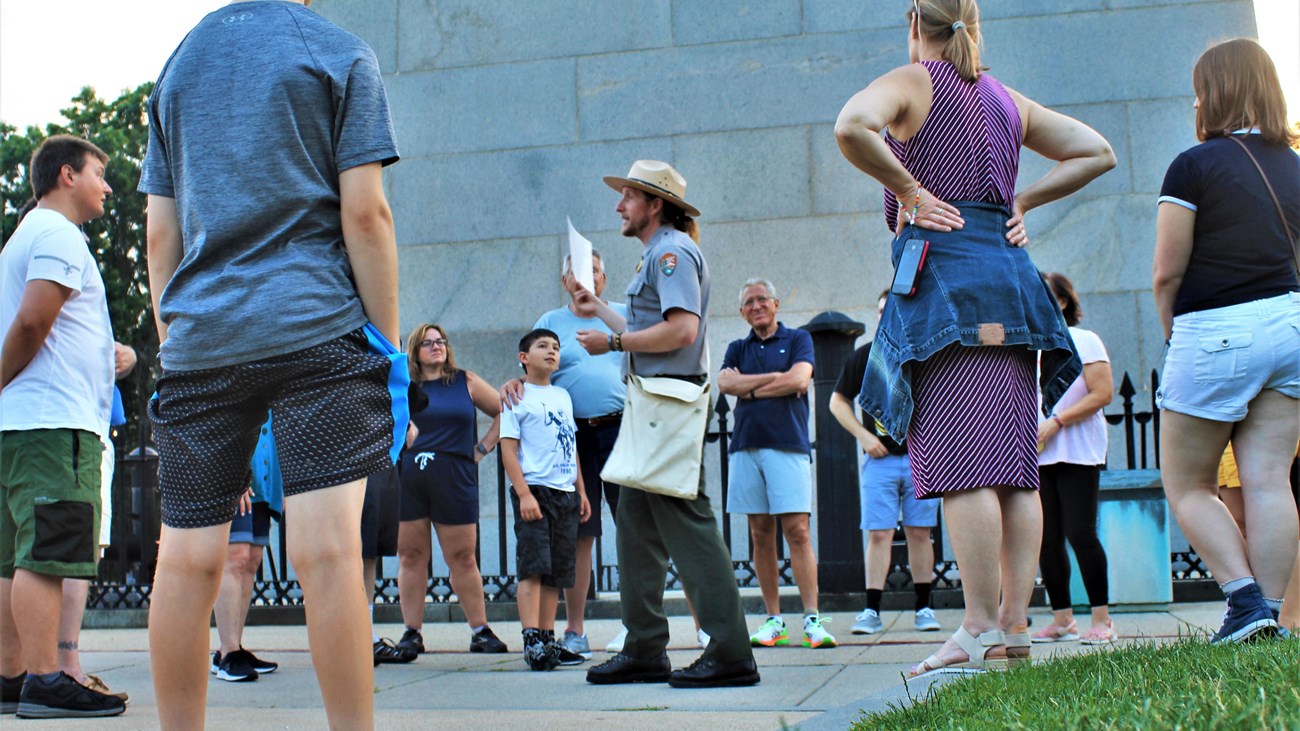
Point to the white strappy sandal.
(976, 649)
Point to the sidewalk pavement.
(450, 688)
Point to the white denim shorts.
(1219, 360)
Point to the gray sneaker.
(577, 644)
(925, 621)
(868, 623)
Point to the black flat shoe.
(627, 669)
(710, 673)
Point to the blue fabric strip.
(399, 379)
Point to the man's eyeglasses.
(762, 299)
(440, 342)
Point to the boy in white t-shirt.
(541, 460)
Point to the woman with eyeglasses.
(440, 485)
(952, 369)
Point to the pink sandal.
(1100, 634)
(1056, 633)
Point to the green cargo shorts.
(49, 502)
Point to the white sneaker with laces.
(868, 623)
(925, 620)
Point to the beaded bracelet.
(618, 341)
(916, 206)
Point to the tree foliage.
(117, 239)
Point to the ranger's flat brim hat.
(658, 179)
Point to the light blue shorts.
(887, 490)
(1219, 360)
(769, 482)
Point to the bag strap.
(1295, 242)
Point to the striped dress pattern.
(968, 148)
(974, 422)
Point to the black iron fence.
(127, 567)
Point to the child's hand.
(584, 512)
(529, 509)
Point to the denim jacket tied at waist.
(975, 289)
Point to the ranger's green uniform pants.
(653, 528)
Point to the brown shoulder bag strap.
(1295, 243)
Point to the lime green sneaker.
(771, 634)
(814, 635)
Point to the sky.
(134, 38)
(110, 45)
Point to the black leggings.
(1069, 493)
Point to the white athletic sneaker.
(616, 645)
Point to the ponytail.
(677, 218)
(955, 23)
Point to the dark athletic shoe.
(1247, 618)
(627, 669)
(11, 690)
(234, 668)
(65, 698)
(710, 673)
(216, 662)
(487, 641)
(263, 667)
(386, 652)
(412, 642)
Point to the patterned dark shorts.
(331, 416)
(548, 547)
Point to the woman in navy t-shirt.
(1228, 295)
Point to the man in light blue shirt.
(595, 383)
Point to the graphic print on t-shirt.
(564, 437)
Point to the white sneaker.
(703, 638)
(925, 620)
(616, 644)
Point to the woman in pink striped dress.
(952, 366)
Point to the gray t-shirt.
(672, 275)
(252, 120)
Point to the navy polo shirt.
(771, 423)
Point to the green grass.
(1187, 684)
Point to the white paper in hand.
(580, 258)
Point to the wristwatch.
(481, 449)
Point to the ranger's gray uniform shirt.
(672, 276)
(253, 118)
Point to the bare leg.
(762, 532)
(802, 559)
(326, 553)
(1235, 502)
(11, 647)
(457, 543)
(369, 570)
(1290, 617)
(72, 609)
(1022, 536)
(920, 553)
(413, 550)
(575, 598)
(1190, 448)
(879, 549)
(184, 591)
(529, 598)
(35, 599)
(549, 598)
(975, 527)
(232, 606)
(1264, 443)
